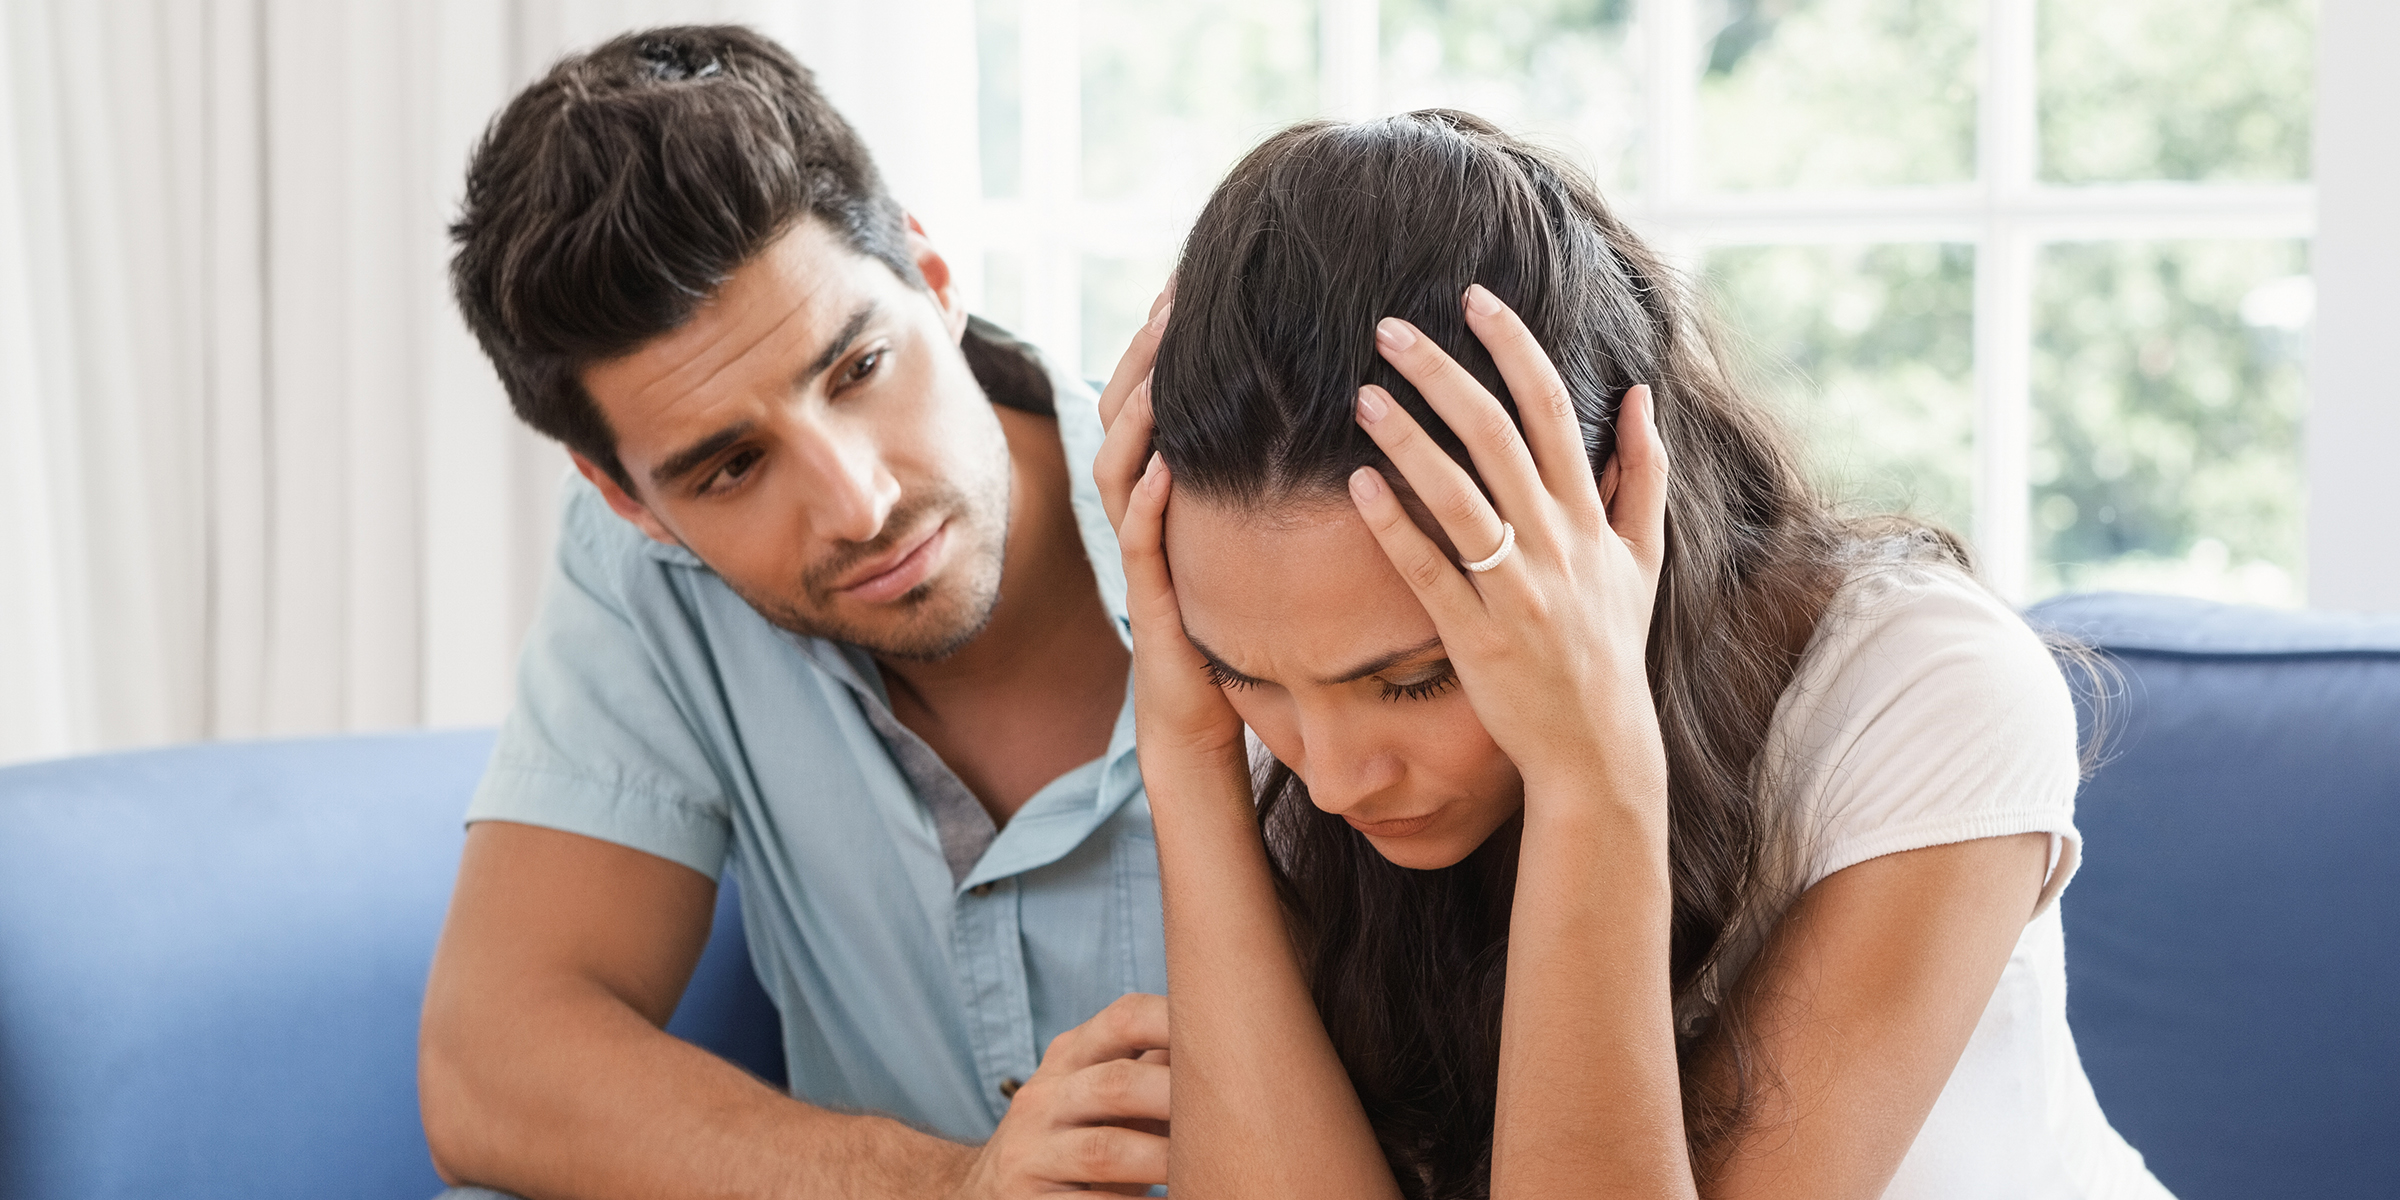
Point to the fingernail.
(1481, 301)
(1649, 410)
(1370, 406)
(1395, 333)
(1158, 324)
(1365, 483)
(1154, 476)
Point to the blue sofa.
(211, 957)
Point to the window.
(2037, 270)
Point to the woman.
(1632, 829)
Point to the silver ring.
(1508, 543)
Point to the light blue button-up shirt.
(657, 710)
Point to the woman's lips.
(1398, 828)
(913, 567)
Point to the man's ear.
(623, 504)
(938, 279)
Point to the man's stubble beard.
(979, 533)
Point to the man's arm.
(544, 1070)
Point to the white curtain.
(255, 478)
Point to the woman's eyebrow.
(1385, 662)
(1216, 660)
(1379, 663)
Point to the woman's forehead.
(1293, 593)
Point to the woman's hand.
(1182, 719)
(1178, 711)
(1125, 411)
(1549, 642)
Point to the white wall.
(2353, 439)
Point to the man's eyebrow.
(857, 324)
(691, 458)
(1375, 665)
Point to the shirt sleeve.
(1932, 715)
(599, 742)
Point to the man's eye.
(1422, 689)
(865, 366)
(732, 472)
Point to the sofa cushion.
(2233, 939)
(212, 958)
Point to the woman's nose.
(1343, 769)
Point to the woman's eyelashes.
(1440, 678)
(1223, 676)
(1430, 681)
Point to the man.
(836, 605)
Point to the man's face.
(813, 434)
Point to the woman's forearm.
(1261, 1104)
(1590, 1101)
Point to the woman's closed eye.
(1426, 683)
(1225, 677)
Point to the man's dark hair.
(612, 197)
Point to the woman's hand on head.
(1181, 717)
(1176, 706)
(1549, 643)
(1125, 411)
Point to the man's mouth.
(894, 574)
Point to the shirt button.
(985, 889)
(1009, 1086)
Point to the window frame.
(2007, 214)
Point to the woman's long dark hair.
(1317, 234)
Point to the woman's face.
(1330, 659)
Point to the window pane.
(1558, 71)
(999, 103)
(1870, 352)
(1838, 93)
(1116, 300)
(2168, 393)
(1004, 289)
(2176, 89)
(1173, 94)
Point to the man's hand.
(1092, 1118)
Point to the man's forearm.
(572, 1093)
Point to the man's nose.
(852, 491)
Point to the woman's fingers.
(1133, 367)
(1445, 593)
(1543, 403)
(1471, 412)
(1118, 465)
(1141, 540)
(1637, 510)
(1448, 492)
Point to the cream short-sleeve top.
(1924, 713)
